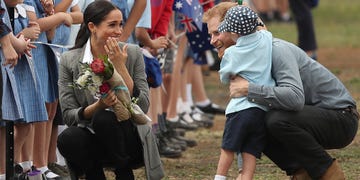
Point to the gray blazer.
(72, 100)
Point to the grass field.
(337, 26)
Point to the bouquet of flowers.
(99, 77)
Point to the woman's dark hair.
(95, 12)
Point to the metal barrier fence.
(9, 150)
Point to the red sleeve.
(209, 4)
(161, 18)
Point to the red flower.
(97, 66)
(104, 88)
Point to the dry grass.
(200, 162)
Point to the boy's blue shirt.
(249, 58)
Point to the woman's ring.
(111, 52)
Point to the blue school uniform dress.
(11, 106)
(27, 80)
(4, 30)
(62, 34)
(59, 44)
(44, 59)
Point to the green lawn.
(337, 24)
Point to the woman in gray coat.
(95, 139)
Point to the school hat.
(239, 19)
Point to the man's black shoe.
(212, 109)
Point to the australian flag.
(199, 40)
(197, 33)
(190, 8)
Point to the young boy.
(249, 58)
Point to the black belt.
(352, 110)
